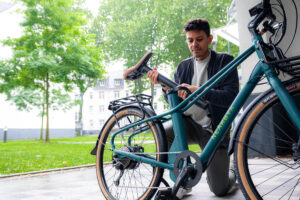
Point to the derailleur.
(122, 163)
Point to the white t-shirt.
(199, 78)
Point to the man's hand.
(152, 75)
(182, 93)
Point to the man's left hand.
(182, 93)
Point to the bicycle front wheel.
(266, 159)
(121, 177)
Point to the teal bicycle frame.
(180, 142)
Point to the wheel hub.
(122, 163)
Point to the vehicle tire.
(265, 162)
(139, 180)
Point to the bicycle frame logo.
(225, 118)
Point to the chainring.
(194, 160)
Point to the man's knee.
(218, 188)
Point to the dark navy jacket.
(222, 95)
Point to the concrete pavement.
(77, 184)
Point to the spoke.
(285, 119)
(135, 184)
(264, 169)
(279, 186)
(127, 188)
(274, 176)
(271, 120)
(276, 138)
(295, 187)
(292, 190)
(277, 160)
(146, 167)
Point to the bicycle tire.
(265, 167)
(142, 180)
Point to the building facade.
(96, 101)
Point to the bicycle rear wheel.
(266, 163)
(124, 178)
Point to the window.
(91, 123)
(127, 93)
(117, 94)
(101, 94)
(91, 95)
(101, 83)
(101, 108)
(155, 106)
(101, 122)
(117, 82)
(154, 92)
(91, 109)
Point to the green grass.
(18, 156)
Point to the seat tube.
(179, 142)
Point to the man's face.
(198, 43)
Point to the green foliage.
(55, 53)
(127, 29)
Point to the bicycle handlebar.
(260, 11)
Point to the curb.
(45, 171)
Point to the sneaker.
(232, 181)
(182, 192)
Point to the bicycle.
(131, 150)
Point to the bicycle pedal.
(165, 194)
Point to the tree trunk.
(47, 108)
(79, 122)
(140, 86)
(42, 125)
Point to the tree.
(126, 29)
(55, 51)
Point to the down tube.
(231, 113)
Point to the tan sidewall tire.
(242, 137)
(99, 148)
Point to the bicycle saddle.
(139, 69)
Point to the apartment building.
(96, 101)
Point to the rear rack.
(276, 58)
(289, 65)
(139, 99)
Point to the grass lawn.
(18, 156)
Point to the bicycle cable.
(282, 24)
(296, 26)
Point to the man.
(192, 73)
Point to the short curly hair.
(198, 24)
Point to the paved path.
(77, 184)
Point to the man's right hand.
(152, 75)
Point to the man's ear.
(210, 38)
